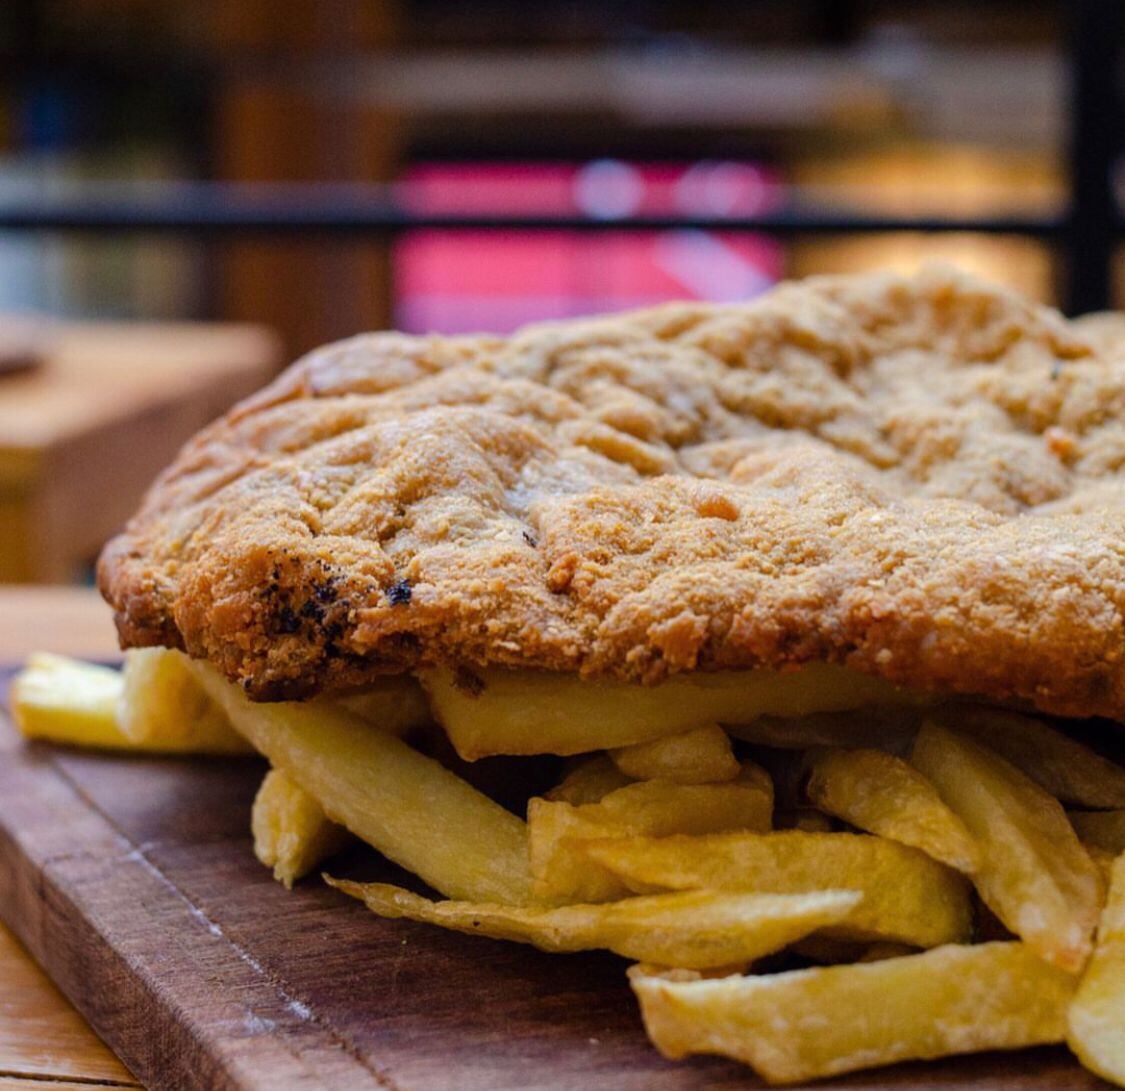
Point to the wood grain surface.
(133, 881)
(82, 435)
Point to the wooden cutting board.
(132, 881)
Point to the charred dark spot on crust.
(326, 593)
(468, 682)
(400, 593)
(531, 539)
(287, 620)
(312, 610)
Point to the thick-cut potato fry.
(1034, 874)
(154, 707)
(697, 929)
(68, 701)
(591, 780)
(700, 756)
(1062, 766)
(807, 1024)
(406, 805)
(908, 897)
(163, 707)
(292, 834)
(1097, 1016)
(830, 952)
(539, 712)
(1103, 829)
(1104, 862)
(807, 819)
(558, 831)
(396, 704)
(890, 727)
(882, 794)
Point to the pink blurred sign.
(459, 281)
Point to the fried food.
(701, 756)
(907, 897)
(559, 831)
(696, 929)
(489, 712)
(807, 1024)
(163, 707)
(1063, 767)
(1097, 1015)
(292, 834)
(153, 706)
(882, 794)
(68, 701)
(413, 810)
(1033, 874)
(915, 476)
(588, 781)
(1103, 829)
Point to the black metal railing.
(1085, 235)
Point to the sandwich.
(811, 607)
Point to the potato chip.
(696, 929)
(882, 794)
(1097, 1016)
(808, 1024)
(908, 897)
(1034, 874)
(700, 756)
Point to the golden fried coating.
(923, 478)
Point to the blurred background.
(194, 193)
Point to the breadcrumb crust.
(919, 477)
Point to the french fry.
(700, 756)
(538, 712)
(1103, 829)
(589, 781)
(396, 704)
(808, 1024)
(1097, 1016)
(558, 831)
(154, 706)
(807, 819)
(907, 897)
(164, 708)
(1103, 861)
(697, 929)
(68, 701)
(882, 794)
(292, 834)
(887, 726)
(1033, 874)
(406, 805)
(830, 952)
(1062, 766)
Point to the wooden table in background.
(45, 1045)
(82, 435)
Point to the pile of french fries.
(840, 876)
